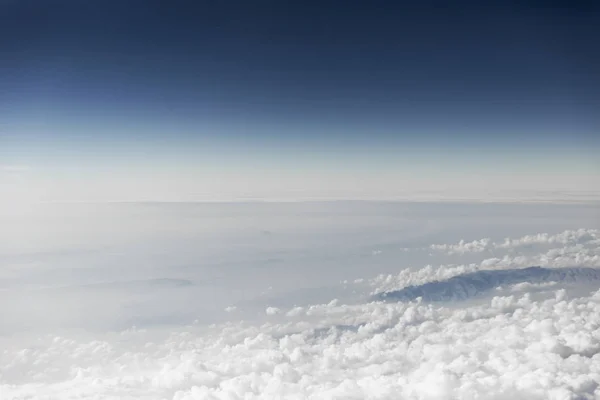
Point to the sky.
(206, 100)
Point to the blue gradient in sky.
(131, 87)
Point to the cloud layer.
(509, 347)
(568, 237)
(462, 287)
(529, 333)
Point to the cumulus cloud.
(510, 347)
(476, 246)
(272, 310)
(472, 284)
(580, 248)
(568, 237)
(533, 338)
(574, 256)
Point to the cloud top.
(462, 287)
(509, 347)
(568, 237)
(537, 338)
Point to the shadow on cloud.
(469, 285)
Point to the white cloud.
(474, 284)
(573, 256)
(568, 237)
(523, 341)
(510, 347)
(272, 310)
(294, 312)
(476, 246)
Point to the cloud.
(535, 339)
(462, 247)
(572, 256)
(568, 237)
(509, 347)
(272, 310)
(472, 284)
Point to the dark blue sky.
(536, 62)
(316, 76)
